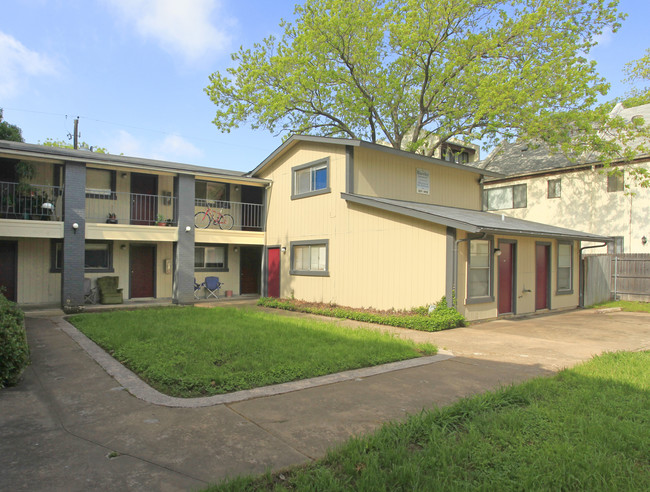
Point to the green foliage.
(441, 318)
(584, 429)
(9, 131)
(195, 351)
(14, 351)
(61, 144)
(628, 306)
(415, 73)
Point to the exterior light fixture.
(75, 226)
(188, 228)
(235, 249)
(644, 240)
(283, 249)
(497, 251)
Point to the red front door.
(273, 273)
(542, 255)
(8, 269)
(143, 265)
(506, 277)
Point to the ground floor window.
(98, 256)
(212, 258)
(309, 258)
(564, 268)
(479, 276)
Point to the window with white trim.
(479, 276)
(506, 197)
(565, 268)
(310, 179)
(309, 258)
(212, 258)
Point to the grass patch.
(584, 429)
(197, 352)
(629, 306)
(440, 318)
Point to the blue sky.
(134, 71)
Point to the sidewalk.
(71, 426)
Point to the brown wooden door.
(8, 269)
(143, 198)
(143, 270)
(542, 256)
(506, 278)
(250, 265)
(273, 273)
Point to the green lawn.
(587, 428)
(630, 306)
(196, 351)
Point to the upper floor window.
(213, 193)
(564, 268)
(100, 183)
(554, 188)
(479, 276)
(506, 197)
(310, 179)
(615, 182)
(309, 257)
(458, 156)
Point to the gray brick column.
(74, 211)
(183, 291)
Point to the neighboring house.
(547, 187)
(321, 219)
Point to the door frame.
(15, 263)
(155, 269)
(513, 283)
(549, 256)
(259, 251)
(265, 269)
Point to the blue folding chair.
(212, 286)
(197, 289)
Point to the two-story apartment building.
(321, 219)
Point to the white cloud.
(178, 148)
(181, 27)
(604, 38)
(171, 148)
(18, 63)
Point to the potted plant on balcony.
(112, 219)
(160, 220)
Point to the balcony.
(228, 215)
(103, 206)
(31, 202)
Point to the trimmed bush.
(441, 318)
(14, 351)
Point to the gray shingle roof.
(473, 221)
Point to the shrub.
(14, 351)
(441, 318)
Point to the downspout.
(581, 274)
(455, 287)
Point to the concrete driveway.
(71, 426)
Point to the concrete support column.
(74, 240)
(183, 290)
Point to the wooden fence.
(624, 276)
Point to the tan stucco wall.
(390, 176)
(585, 205)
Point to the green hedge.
(14, 351)
(441, 318)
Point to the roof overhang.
(473, 221)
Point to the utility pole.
(76, 133)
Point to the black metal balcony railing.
(245, 216)
(130, 208)
(35, 202)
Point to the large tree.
(9, 131)
(416, 73)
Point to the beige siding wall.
(390, 176)
(585, 205)
(36, 285)
(376, 259)
(524, 283)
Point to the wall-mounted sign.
(422, 181)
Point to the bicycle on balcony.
(202, 220)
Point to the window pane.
(215, 257)
(216, 191)
(59, 256)
(564, 256)
(198, 257)
(499, 198)
(479, 253)
(302, 179)
(297, 257)
(519, 196)
(564, 278)
(479, 282)
(322, 258)
(97, 255)
(615, 182)
(98, 181)
(319, 179)
(200, 190)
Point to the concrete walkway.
(69, 425)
